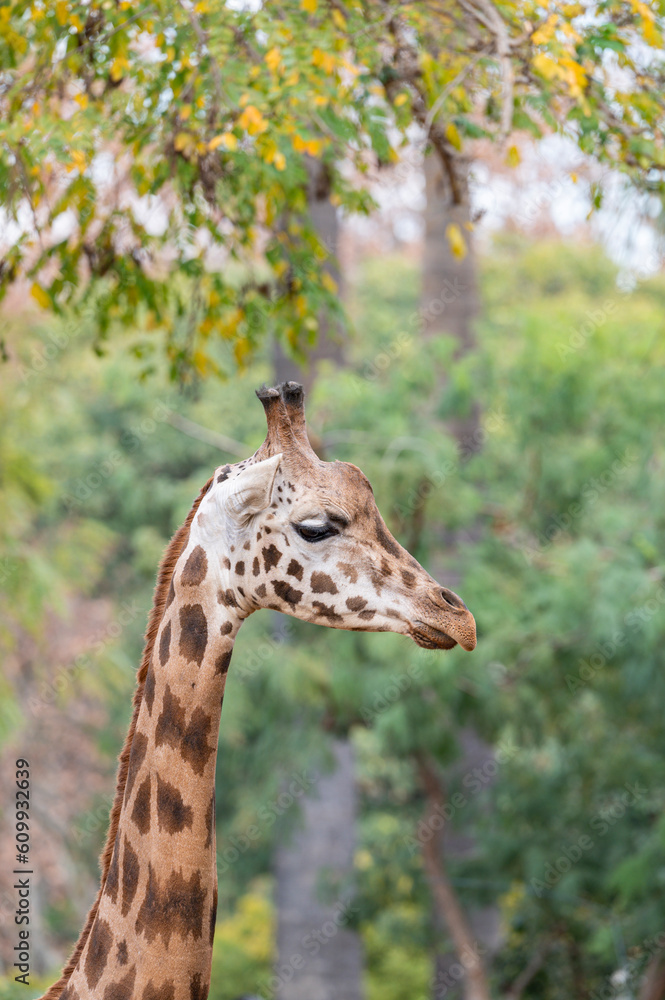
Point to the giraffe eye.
(315, 532)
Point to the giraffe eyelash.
(315, 532)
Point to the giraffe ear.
(251, 491)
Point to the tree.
(152, 162)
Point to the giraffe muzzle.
(446, 622)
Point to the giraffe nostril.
(451, 598)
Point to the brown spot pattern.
(261, 590)
(210, 820)
(193, 633)
(164, 992)
(194, 748)
(323, 584)
(170, 596)
(149, 689)
(172, 813)
(196, 568)
(256, 566)
(227, 598)
(136, 758)
(226, 628)
(112, 877)
(295, 569)
(171, 723)
(213, 915)
(165, 644)
(122, 953)
(141, 810)
(327, 611)
(271, 556)
(383, 538)
(123, 990)
(172, 907)
(240, 568)
(408, 577)
(355, 603)
(288, 593)
(97, 955)
(198, 989)
(348, 570)
(222, 662)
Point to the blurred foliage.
(156, 163)
(561, 520)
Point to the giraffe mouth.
(431, 638)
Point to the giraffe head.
(305, 537)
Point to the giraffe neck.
(152, 935)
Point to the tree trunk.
(449, 306)
(449, 283)
(319, 957)
(331, 967)
(448, 908)
(329, 344)
(653, 985)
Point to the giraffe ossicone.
(281, 530)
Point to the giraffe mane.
(164, 576)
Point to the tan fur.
(164, 577)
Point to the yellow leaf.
(81, 100)
(329, 283)
(252, 120)
(279, 161)
(184, 112)
(323, 59)
(513, 157)
(573, 178)
(546, 31)
(310, 6)
(456, 241)
(41, 296)
(453, 136)
(226, 139)
(401, 99)
(545, 66)
(311, 146)
(273, 59)
(242, 349)
(61, 11)
(117, 67)
(339, 19)
(181, 141)
(78, 161)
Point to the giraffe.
(282, 530)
